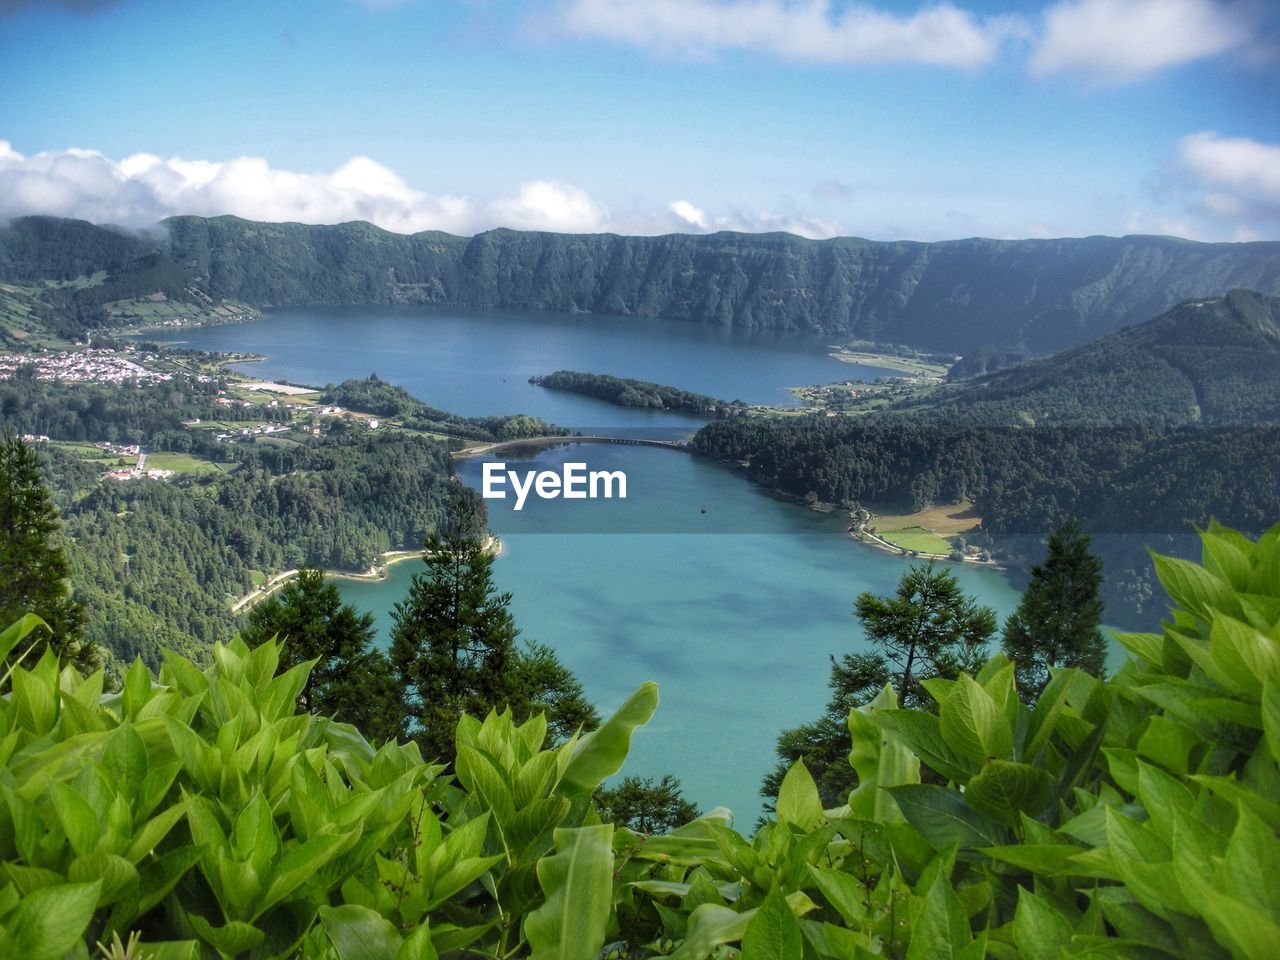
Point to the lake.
(730, 599)
(478, 363)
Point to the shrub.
(1133, 817)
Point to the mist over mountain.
(961, 295)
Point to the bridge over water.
(487, 448)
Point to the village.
(91, 365)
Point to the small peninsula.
(626, 392)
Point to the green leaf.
(358, 933)
(601, 753)
(844, 892)
(1190, 585)
(18, 631)
(577, 881)
(880, 758)
(1046, 859)
(1039, 930)
(1245, 930)
(417, 946)
(230, 939)
(942, 929)
(773, 933)
(116, 874)
(137, 688)
(1253, 864)
(172, 950)
(1004, 789)
(78, 819)
(798, 802)
(920, 733)
(1245, 654)
(299, 864)
(709, 926)
(973, 724)
(34, 699)
(48, 923)
(124, 760)
(1271, 718)
(943, 818)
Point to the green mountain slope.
(1213, 361)
(1037, 295)
(1140, 435)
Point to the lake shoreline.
(377, 573)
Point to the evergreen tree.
(1056, 623)
(351, 681)
(927, 628)
(33, 568)
(454, 650)
(453, 639)
(644, 806)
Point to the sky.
(880, 119)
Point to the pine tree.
(454, 650)
(351, 681)
(1056, 623)
(33, 567)
(645, 806)
(453, 639)
(927, 628)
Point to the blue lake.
(733, 611)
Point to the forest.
(158, 564)
(1140, 436)
(626, 392)
(375, 395)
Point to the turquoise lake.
(733, 611)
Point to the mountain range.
(1037, 296)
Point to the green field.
(95, 455)
(915, 538)
(180, 463)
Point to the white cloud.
(550, 205)
(799, 30)
(690, 214)
(1238, 178)
(143, 188)
(1119, 41)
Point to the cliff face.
(1039, 295)
(957, 295)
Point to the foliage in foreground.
(1134, 817)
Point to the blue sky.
(891, 120)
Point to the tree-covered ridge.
(1128, 817)
(1213, 362)
(1149, 431)
(158, 564)
(628, 392)
(961, 295)
(375, 395)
